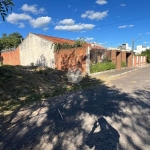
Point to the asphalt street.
(112, 116)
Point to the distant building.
(124, 46)
(140, 48)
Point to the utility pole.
(133, 42)
(133, 49)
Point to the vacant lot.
(23, 85)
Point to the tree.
(4, 7)
(10, 41)
(146, 53)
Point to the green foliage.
(4, 6)
(107, 59)
(59, 46)
(146, 53)
(102, 67)
(10, 41)
(123, 64)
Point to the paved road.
(121, 106)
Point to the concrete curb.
(141, 67)
(122, 74)
(98, 73)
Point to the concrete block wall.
(11, 57)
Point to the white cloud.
(69, 6)
(83, 31)
(14, 18)
(89, 39)
(145, 42)
(131, 25)
(148, 33)
(75, 27)
(40, 22)
(67, 22)
(79, 38)
(32, 8)
(123, 5)
(21, 25)
(126, 26)
(35, 23)
(45, 29)
(95, 15)
(101, 2)
(42, 10)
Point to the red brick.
(67, 58)
(11, 57)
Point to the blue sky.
(102, 21)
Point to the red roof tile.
(56, 39)
(62, 40)
(97, 47)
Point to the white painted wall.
(37, 50)
(140, 48)
(88, 60)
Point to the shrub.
(123, 64)
(107, 60)
(102, 67)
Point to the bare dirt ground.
(68, 121)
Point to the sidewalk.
(115, 73)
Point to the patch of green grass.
(103, 66)
(123, 64)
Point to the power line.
(111, 23)
(125, 21)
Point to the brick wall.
(113, 56)
(108, 54)
(129, 59)
(135, 61)
(11, 57)
(118, 60)
(139, 60)
(67, 58)
(123, 53)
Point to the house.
(97, 53)
(140, 48)
(39, 50)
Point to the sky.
(106, 22)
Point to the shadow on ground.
(20, 85)
(65, 122)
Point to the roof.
(63, 40)
(96, 47)
(56, 39)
